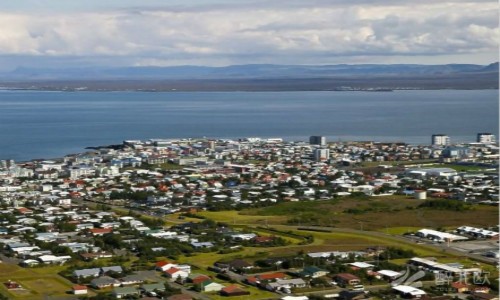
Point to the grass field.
(34, 281)
(399, 230)
(235, 217)
(369, 164)
(379, 218)
(376, 213)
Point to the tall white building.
(484, 137)
(321, 154)
(440, 140)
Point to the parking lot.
(478, 246)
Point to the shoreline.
(381, 90)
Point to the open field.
(370, 164)
(399, 230)
(376, 213)
(338, 239)
(461, 168)
(355, 223)
(235, 217)
(37, 282)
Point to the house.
(29, 263)
(352, 295)
(359, 265)
(180, 297)
(104, 281)
(210, 286)
(254, 280)
(185, 268)
(263, 239)
(91, 256)
(122, 292)
(459, 287)
(100, 231)
(116, 269)
(388, 274)
(164, 265)
(79, 290)
(409, 291)
(49, 259)
(233, 290)
(197, 278)
(175, 273)
(132, 279)
(239, 265)
(153, 287)
(345, 279)
(243, 236)
(94, 272)
(280, 284)
(313, 272)
(199, 245)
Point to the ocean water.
(36, 124)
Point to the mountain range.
(256, 77)
(253, 71)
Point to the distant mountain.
(491, 68)
(255, 71)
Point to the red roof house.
(100, 231)
(233, 290)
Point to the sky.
(112, 33)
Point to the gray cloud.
(315, 31)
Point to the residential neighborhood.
(104, 220)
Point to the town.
(253, 218)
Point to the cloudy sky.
(62, 33)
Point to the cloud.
(258, 31)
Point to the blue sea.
(37, 124)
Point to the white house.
(164, 265)
(175, 273)
(212, 287)
(79, 290)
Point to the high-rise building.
(440, 140)
(485, 137)
(317, 140)
(321, 154)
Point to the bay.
(39, 124)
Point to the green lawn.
(460, 168)
(371, 164)
(37, 282)
(235, 217)
(399, 230)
